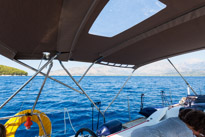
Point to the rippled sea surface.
(57, 101)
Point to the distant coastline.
(128, 75)
(99, 71)
(10, 71)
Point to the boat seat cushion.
(172, 127)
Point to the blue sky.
(117, 16)
(120, 15)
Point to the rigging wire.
(92, 114)
(24, 100)
(25, 96)
(98, 115)
(164, 99)
(99, 105)
(128, 105)
(119, 91)
(40, 62)
(142, 101)
(200, 91)
(64, 122)
(170, 95)
(31, 84)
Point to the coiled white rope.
(66, 110)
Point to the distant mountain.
(95, 71)
(161, 68)
(5, 70)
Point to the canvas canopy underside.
(29, 28)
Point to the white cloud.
(160, 68)
(193, 61)
(157, 68)
(159, 4)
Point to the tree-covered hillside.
(5, 70)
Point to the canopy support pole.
(4, 118)
(46, 64)
(120, 90)
(25, 65)
(82, 25)
(49, 69)
(86, 72)
(90, 68)
(44, 131)
(182, 77)
(81, 89)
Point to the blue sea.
(57, 101)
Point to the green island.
(5, 70)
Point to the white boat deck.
(129, 127)
(163, 113)
(133, 123)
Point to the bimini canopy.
(30, 27)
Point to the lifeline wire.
(128, 106)
(64, 122)
(119, 91)
(30, 85)
(170, 94)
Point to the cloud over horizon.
(192, 67)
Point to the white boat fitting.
(60, 30)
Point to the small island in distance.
(5, 71)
